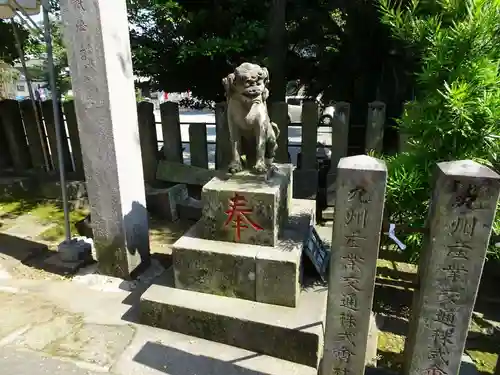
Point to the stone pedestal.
(246, 208)
(252, 272)
(236, 274)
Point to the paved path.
(86, 326)
(23, 362)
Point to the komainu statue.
(251, 131)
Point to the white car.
(295, 110)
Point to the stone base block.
(163, 202)
(295, 335)
(190, 209)
(246, 208)
(257, 273)
(79, 248)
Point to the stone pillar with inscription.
(361, 182)
(97, 35)
(460, 222)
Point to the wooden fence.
(22, 148)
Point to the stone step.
(292, 334)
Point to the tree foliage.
(8, 54)
(187, 44)
(36, 49)
(455, 114)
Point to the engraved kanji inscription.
(348, 336)
(459, 250)
(340, 371)
(238, 214)
(353, 262)
(442, 337)
(446, 317)
(347, 320)
(455, 272)
(448, 297)
(434, 370)
(78, 5)
(360, 194)
(352, 282)
(81, 26)
(353, 241)
(342, 354)
(356, 217)
(464, 226)
(349, 301)
(439, 353)
(466, 195)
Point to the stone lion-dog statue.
(251, 131)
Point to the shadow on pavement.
(177, 362)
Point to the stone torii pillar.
(97, 38)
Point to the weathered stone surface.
(148, 139)
(340, 127)
(305, 183)
(460, 220)
(213, 268)
(106, 109)
(50, 126)
(171, 132)
(163, 202)
(372, 342)
(375, 124)
(223, 144)
(12, 124)
(198, 145)
(286, 194)
(251, 132)
(278, 271)
(75, 190)
(244, 208)
(356, 238)
(292, 334)
(278, 112)
(253, 272)
(186, 174)
(35, 133)
(190, 209)
(74, 138)
(77, 248)
(309, 120)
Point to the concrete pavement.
(87, 326)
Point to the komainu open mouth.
(252, 95)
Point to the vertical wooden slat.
(309, 134)
(149, 142)
(74, 138)
(48, 116)
(5, 158)
(13, 127)
(375, 123)
(36, 145)
(198, 145)
(223, 145)
(172, 140)
(279, 115)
